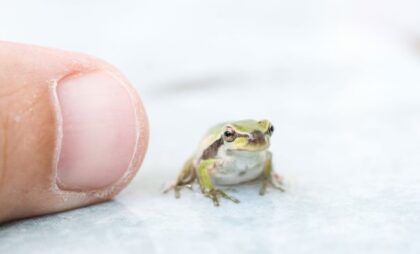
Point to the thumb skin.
(73, 131)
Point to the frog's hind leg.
(184, 179)
(270, 176)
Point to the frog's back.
(211, 136)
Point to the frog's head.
(247, 135)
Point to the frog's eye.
(229, 135)
(270, 130)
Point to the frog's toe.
(168, 187)
(176, 187)
(214, 196)
(263, 188)
(276, 178)
(278, 185)
(226, 196)
(177, 190)
(277, 181)
(215, 200)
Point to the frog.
(230, 154)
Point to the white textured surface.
(339, 81)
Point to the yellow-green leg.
(184, 179)
(269, 176)
(206, 183)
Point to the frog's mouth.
(251, 149)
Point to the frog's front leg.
(270, 176)
(206, 183)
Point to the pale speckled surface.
(339, 81)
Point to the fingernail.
(98, 131)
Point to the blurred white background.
(339, 79)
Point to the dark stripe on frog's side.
(257, 138)
(211, 151)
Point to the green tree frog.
(229, 154)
